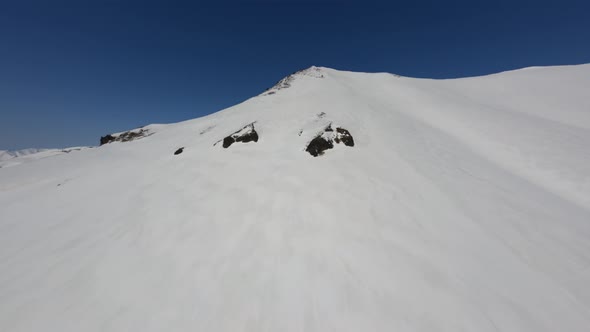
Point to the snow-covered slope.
(463, 205)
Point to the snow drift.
(463, 205)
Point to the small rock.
(318, 145)
(179, 151)
(342, 135)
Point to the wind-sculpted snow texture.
(464, 205)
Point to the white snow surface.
(463, 206)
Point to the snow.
(5, 155)
(464, 205)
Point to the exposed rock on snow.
(286, 82)
(318, 145)
(326, 139)
(244, 135)
(125, 137)
(342, 135)
(179, 151)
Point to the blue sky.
(71, 71)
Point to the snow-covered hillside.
(442, 205)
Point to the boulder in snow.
(326, 139)
(244, 135)
(125, 136)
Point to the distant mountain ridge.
(5, 154)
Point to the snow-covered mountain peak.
(341, 201)
(313, 71)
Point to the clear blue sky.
(71, 71)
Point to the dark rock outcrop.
(179, 151)
(326, 139)
(125, 137)
(244, 135)
(107, 139)
(228, 141)
(318, 145)
(248, 137)
(342, 135)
